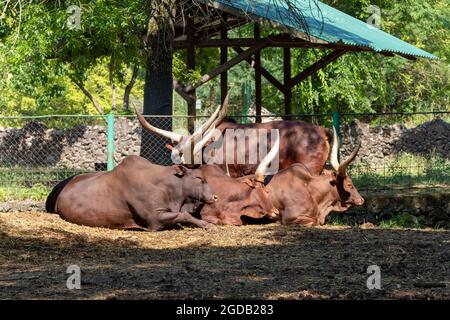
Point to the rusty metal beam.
(258, 72)
(180, 89)
(275, 41)
(227, 65)
(223, 60)
(314, 67)
(264, 72)
(287, 78)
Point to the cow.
(137, 194)
(300, 142)
(236, 198)
(307, 199)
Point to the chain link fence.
(399, 151)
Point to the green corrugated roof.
(326, 23)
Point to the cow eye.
(201, 179)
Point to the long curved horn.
(168, 134)
(334, 151)
(344, 164)
(214, 120)
(207, 128)
(264, 164)
(199, 145)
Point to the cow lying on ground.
(300, 197)
(236, 198)
(306, 199)
(135, 195)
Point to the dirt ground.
(256, 261)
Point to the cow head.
(183, 145)
(194, 184)
(347, 194)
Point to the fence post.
(337, 124)
(111, 147)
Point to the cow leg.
(171, 218)
(304, 219)
(211, 219)
(232, 219)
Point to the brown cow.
(306, 199)
(300, 142)
(135, 195)
(235, 198)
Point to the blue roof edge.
(226, 5)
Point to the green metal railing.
(111, 147)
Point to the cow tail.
(50, 203)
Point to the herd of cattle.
(138, 194)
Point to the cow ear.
(180, 171)
(249, 182)
(333, 176)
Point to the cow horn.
(215, 118)
(199, 145)
(168, 134)
(344, 164)
(264, 164)
(334, 151)
(208, 127)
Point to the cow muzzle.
(213, 199)
(359, 202)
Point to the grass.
(397, 221)
(32, 184)
(37, 193)
(404, 172)
(400, 220)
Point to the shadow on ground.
(263, 261)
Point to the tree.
(46, 62)
(37, 40)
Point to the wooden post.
(287, 78)
(258, 94)
(190, 63)
(223, 59)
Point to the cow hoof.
(209, 226)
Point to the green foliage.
(400, 220)
(43, 62)
(22, 184)
(363, 82)
(41, 59)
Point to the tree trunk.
(86, 92)
(158, 82)
(129, 87)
